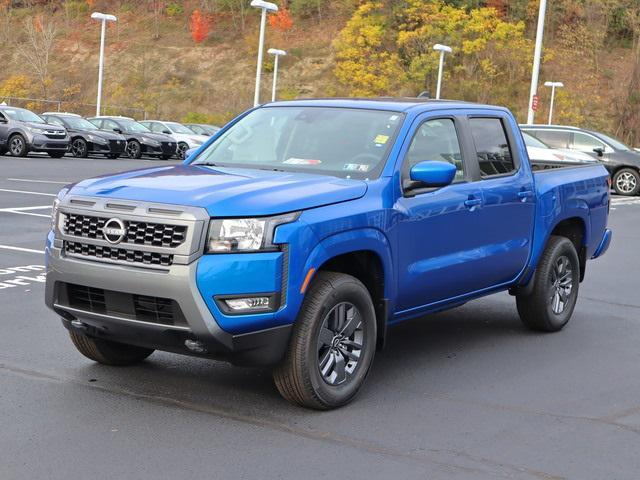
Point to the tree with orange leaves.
(199, 25)
(281, 21)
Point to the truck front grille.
(119, 254)
(142, 308)
(138, 233)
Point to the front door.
(437, 232)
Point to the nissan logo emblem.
(114, 231)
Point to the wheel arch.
(366, 255)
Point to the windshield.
(177, 128)
(617, 144)
(22, 115)
(348, 143)
(79, 123)
(532, 141)
(132, 126)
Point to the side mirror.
(599, 151)
(432, 174)
(117, 130)
(168, 132)
(189, 152)
(3, 120)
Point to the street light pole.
(277, 53)
(104, 18)
(265, 7)
(536, 60)
(442, 49)
(553, 86)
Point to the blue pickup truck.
(302, 230)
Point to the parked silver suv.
(22, 131)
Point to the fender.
(353, 241)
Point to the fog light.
(195, 346)
(248, 304)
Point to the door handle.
(524, 194)
(472, 202)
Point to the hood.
(225, 192)
(45, 126)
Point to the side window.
(585, 143)
(554, 138)
(155, 127)
(436, 140)
(97, 122)
(109, 124)
(492, 146)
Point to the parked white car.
(185, 137)
(542, 156)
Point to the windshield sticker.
(356, 167)
(381, 139)
(302, 161)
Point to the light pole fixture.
(104, 18)
(277, 53)
(443, 49)
(537, 53)
(553, 86)
(265, 7)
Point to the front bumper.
(42, 143)
(112, 146)
(264, 346)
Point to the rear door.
(4, 129)
(508, 191)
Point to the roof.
(114, 117)
(61, 114)
(549, 127)
(402, 104)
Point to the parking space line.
(22, 209)
(26, 213)
(21, 249)
(36, 181)
(28, 192)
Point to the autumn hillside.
(195, 60)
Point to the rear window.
(492, 147)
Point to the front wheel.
(332, 344)
(18, 146)
(626, 182)
(108, 352)
(134, 149)
(549, 306)
(182, 150)
(79, 148)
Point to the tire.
(79, 148)
(181, 150)
(333, 301)
(18, 145)
(107, 352)
(56, 154)
(549, 306)
(626, 181)
(134, 149)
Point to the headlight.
(96, 139)
(244, 234)
(36, 130)
(149, 141)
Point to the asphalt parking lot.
(468, 393)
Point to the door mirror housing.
(168, 132)
(3, 120)
(599, 151)
(432, 174)
(117, 130)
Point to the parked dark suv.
(622, 162)
(22, 131)
(140, 140)
(86, 138)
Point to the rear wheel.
(549, 306)
(18, 146)
(181, 150)
(332, 344)
(79, 148)
(107, 352)
(626, 182)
